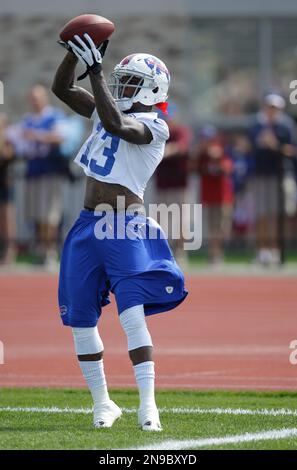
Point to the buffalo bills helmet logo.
(152, 63)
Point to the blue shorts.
(137, 269)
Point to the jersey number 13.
(108, 152)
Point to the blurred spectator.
(45, 171)
(72, 130)
(172, 177)
(243, 168)
(215, 169)
(7, 212)
(273, 136)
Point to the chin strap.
(124, 105)
(163, 107)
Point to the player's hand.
(65, 45)
(103, 46)
(88, 54)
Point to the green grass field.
(29, 421)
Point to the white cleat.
(149, 420)
(106, 415)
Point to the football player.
(126, 145)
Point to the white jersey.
(111, 159)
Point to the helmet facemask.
(121, 82)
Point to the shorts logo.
(63, 310)
(169, 289)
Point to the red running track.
(230, 333)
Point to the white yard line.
(52, 409)
(213, 411)
(215, 441)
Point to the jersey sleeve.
(158, 128)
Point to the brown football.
(97, 27)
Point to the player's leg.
(82, 293)
(89, 351)
(140, 349)
(143, 276)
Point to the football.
(98, 28)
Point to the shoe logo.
(169, 289)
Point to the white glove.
(88, 54)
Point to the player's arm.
(112, 119)
(77, 98)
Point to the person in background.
(172, 177)
(243, 168)
(273, 138)
(72, 128)
(7, 211)
(215, 169)
(45, 172)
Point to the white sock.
(145, 378)
(93, 372)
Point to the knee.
(88, 344)
(134, 324)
